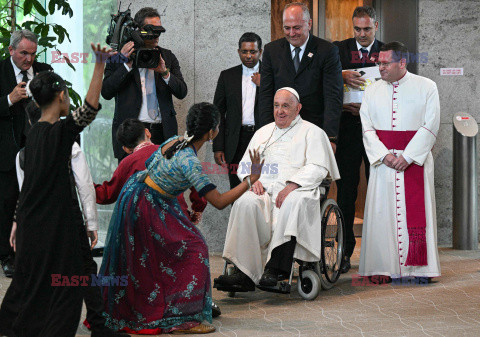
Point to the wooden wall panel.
(277, 18)
(338, 18)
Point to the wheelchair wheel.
(309, 285)
(333, 238)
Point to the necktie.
(25, 102)
(25, 79)
(152, 101)
(25, 76)
(296, 58)
(364, 55)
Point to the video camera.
(124, 29)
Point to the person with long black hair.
(156, 247)
(45, 296)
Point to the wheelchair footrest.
(281, 287)
(230, 288)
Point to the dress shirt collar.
(359, 46)
(250, 71)
(17, 70)
(302, 47)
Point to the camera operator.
(144, 93)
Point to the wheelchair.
(312, 276)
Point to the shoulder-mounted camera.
(124, 29)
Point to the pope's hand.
(284, 193)
(258, 188)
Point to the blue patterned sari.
(155, 259)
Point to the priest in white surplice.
(280, 217)
(400, 118)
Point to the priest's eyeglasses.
(384, 64)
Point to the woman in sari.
(155, 269)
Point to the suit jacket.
(350, 57)
(125, 86)
(228, 99)
(318, 82)
(12, 119)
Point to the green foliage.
(97, 138)
(36, 13)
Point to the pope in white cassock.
(400, 118)
(279, 218)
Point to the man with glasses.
(15, 72)
(145, 94)
(355, 53)
(400, 119)
(236, 98)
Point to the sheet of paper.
(355, 95)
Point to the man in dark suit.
(15, 72)
(144, 94)
(355, 53)
(236, 97)
(308, 64)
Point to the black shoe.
(237, 279)
(215, 310)
(380, 279)
(8, 265)
(108, 333)
(345, 265)
(269, 278)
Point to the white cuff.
(167, 79)
(408, 159)
(128, 68)
(9, 101)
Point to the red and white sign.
(451, 71)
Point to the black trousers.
(12, 304)
(282, 257)
(350, 153)
(92, 294)
(245, 137)
(8, 203)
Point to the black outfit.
(281, 258)
(12, 139)
(125, 86)
(318, 81)
(232, 138)
(92, 294)
(93, 297)
(49, 238)
(350, 150)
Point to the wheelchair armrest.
(325, 184)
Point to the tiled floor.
(448, 307)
